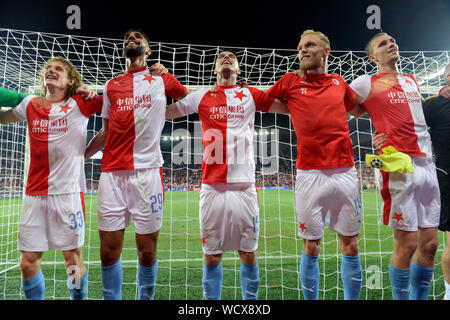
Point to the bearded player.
(53, 205)
(131, 183)
(411, 202)
(229, 210)
(326, 180)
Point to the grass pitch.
(180, 254)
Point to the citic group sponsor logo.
(131, 103)
(400, 97)
(226, 112)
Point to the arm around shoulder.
(98, 142)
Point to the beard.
(312, 63)
(134, 52)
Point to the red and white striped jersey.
(394, 105)
(135, 104)
(227, 118)
(58, 133)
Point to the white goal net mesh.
(22, 54)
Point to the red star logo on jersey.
(149, 78)
(398, 216)
(65, 108)
(239, 94)
(203, 241)
(302, 226)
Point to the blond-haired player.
(326, 180)
(53, 205)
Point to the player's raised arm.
(98, 142)
(10, 98)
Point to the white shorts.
(52, 220)
(131, 193)
(229, 217)
(410, 200)
(318, 192)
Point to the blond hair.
(321, 36)
(72, 74)
(368, 48)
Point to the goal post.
(22, 54)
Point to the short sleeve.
(173, 88)
(279, 89)
(106, 106)
(262, 100)
(361, 86)
(191, 102)
(350, 98)
(20, 111)
(91, 106)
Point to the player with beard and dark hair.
(131, 182)
(326, 180)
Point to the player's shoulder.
(361, 80)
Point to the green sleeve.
(11, 98)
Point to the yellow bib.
(390, 160)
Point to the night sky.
(416, 24)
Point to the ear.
(148, 52)
(238, 71)
(373, 59)
(71, 82)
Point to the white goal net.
(22, 54)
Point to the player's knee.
(429, 248)
(147, 257)
(311, 247)
(350, 249)
(212, 259)
(29, 268)
(248, 257)
(109, 255)
(406, 250)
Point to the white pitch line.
(261, 258)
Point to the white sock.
(447, 291)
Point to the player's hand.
(85, 92)
(158, 69)
(445, 92)
(379, 139)
(243, 84)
